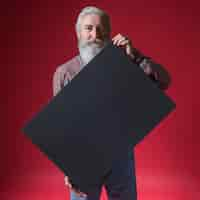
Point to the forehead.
(91, 19)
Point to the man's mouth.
(99, 43)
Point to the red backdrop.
(39, 35)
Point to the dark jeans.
(120, 182)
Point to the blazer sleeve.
(58, 80)
(155, 71)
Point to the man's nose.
(96, 34)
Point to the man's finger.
(79, 193)
(116, 38)
(125, 42)
(122, 39)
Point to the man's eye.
(88, 28)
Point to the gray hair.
(94, 10)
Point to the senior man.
(93, 31)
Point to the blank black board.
(98, 116)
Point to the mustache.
(96, 42)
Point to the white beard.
(88, 50)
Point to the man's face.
(92, 37)
(92, 29)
